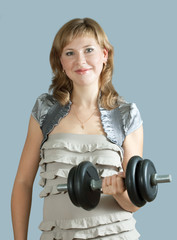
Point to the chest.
(83, 123)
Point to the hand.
(114, 185)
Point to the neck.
(85, 97)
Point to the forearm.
(124, 201)
(20, 209)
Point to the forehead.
(81, 41)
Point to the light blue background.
(144, 36)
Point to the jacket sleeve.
(131, 117)
(41, 107)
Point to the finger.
(106, 185)
(121, 174)
(103, 183)
(114, 184)
(108, 181)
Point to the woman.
(83, 119)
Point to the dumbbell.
(84, 185)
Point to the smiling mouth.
(82, 71)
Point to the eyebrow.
(83, 47)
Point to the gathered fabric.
(63, 220)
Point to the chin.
(85, 81)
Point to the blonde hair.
(62, 86)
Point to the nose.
(80, 58)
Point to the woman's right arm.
(23, 184)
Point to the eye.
(88, 50)
(69, 53)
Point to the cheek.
(66, 64)
(98, 63)
(99, 59)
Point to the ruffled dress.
(63, 220)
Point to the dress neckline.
(76, 134)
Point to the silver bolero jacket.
(117, 123)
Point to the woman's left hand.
(114, 185)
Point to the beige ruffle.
(86, 222)
(55, 173)
(60, 143)
(42, 182)
(75, 160)
(130, 235)
(109, 227)
(50, 190)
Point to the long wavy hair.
(62, 86)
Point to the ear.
(105, 55)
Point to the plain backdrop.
(144, 37)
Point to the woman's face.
(82, 60)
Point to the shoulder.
(121, 121)
(128, 116)
(131, 117)
(41, 107)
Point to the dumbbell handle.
(155, 179)
(62, 187)
(97, 184)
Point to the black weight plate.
(131, 181)
(86, 197)
(70, 185)
(146, 171)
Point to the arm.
(114, 185)
(22, 189)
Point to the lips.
(82, 70)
